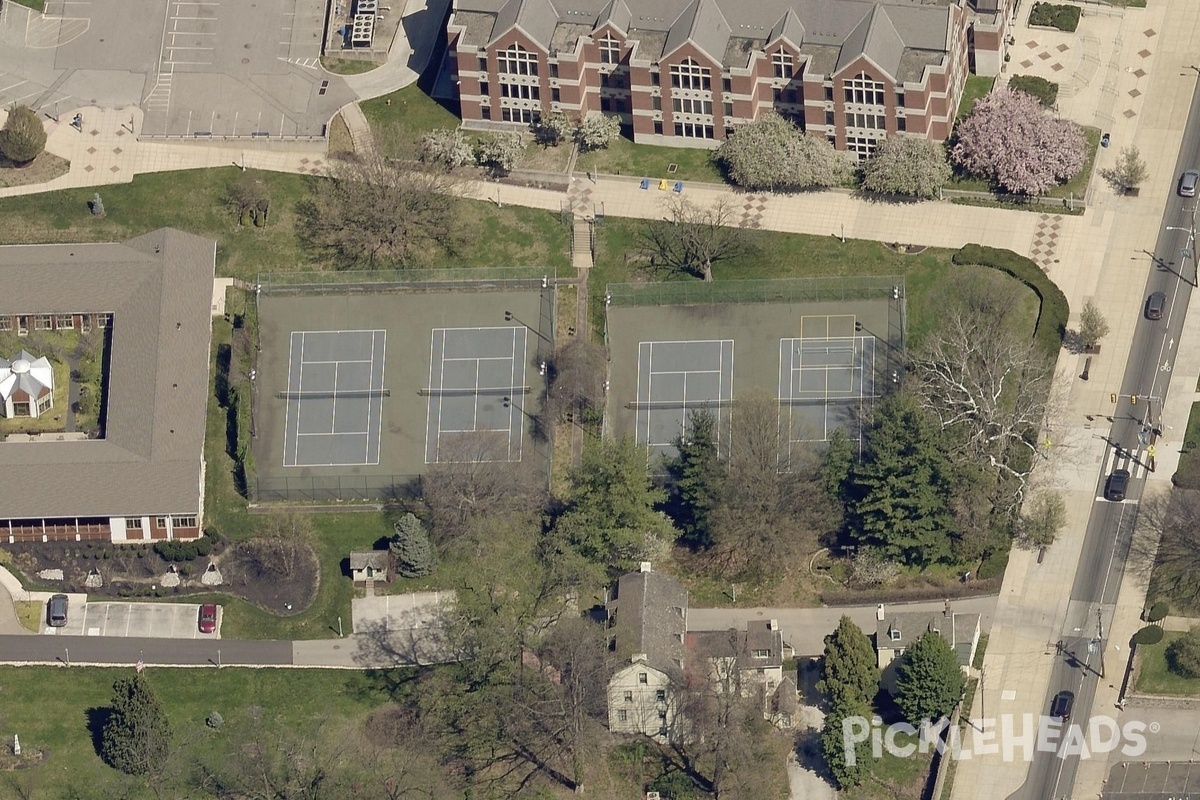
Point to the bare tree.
(248, 194)
(374, 212)
(577, 379)
(692, 238)
(1167, 542)
(473, 480)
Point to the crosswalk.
(1136, 461)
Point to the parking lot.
(142, 620)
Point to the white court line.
(512, 381)
(484, 358)
(475, 408)
(189, 63)
(521, 418)
(333, 411)
(12, 86)
(379, 401)
(476, 430)
(649, 387)
(690, 371)
(345, 360)
(429, 405)
(288, 413)
(437, 456)
(174, 47)
(339, 433)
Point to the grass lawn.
(977, 86)
(49, 708)
(1188, 474)
(347, 66)
(890, 777)
(623, 157)
(30, 613)
(399, 119)
(1153, 677)
(36, 5)
(194, 201)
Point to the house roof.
(375, 559)
(889, 32)
(25, 373)
(758, 637)
(158, 289)
(899, 631)
(651, 617)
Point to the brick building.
(685, 73)
(144, 479)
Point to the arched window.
(610, 50)
(864, 91)
(781, 60)
(687, 74)
(516, 60)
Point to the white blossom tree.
(446, 148)
(501, 151)
(1011, 139)
(595, 132)
(772, 153)
(907, 165)
(554, 128)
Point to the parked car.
(1155, 305)
(1187, 183)
(1060, 706)
(208, 617)
(1118, 483)
(56, 610)
(1104, 140)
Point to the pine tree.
(698, 478)
(23, 137)
(929, 682)
(136, 738)
(415, 555)
(846, 772)
(851, 675)
(836, 463)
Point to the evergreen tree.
(1183, 654)
(929, 682)
(851, 675)
(846, 772)
(415, 555)
(136, 738)
(836, 464)
(698, 478)
(899, 496)
(23, 138)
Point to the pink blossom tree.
(1010, 139)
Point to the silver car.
(1187, 183)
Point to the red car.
(208, 617)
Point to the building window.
(554, 70)
(610, 50)
(183, 522)
(629, 697)
(693, 130)
(643, 677)
(622, 715)
(776, 95)
(781, 62)
(516, 60)
(482, 64)
(726, 86)
(605, 104)
(829, 120)
(793, 96)
(103, 320)
(727, 109)
(900, 98)
(485, 112)
(554, 95)
(524, 115)
(662, 716)
(900, 124)
(43, 322)
(133, 523)
(5, 323)
(762, 653)
(864, 91)
(64, 322)
(692, 105)
(160, 523)
(863, 147)
(828, 94)
(660, 696)
(485, 89)
(872, 121)
(519, 91)
(690, 75)
(654, 79)
(658, 129)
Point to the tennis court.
(677, 378)
(476, 389)
(334, 398)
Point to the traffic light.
(1112, 398)
(1133, 399)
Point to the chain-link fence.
(471, 278)
(787, 290)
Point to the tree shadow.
(97, 717)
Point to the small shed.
(368, 565)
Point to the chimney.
(644, 567)
(879, 615)
(638, 657)
(773, 625)
(946, 612)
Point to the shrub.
(1065, 18)
(175, 550)
(23, 137)
(500, 152)
(1151, 634)
(1183, 654)
(1158, 611)
(445, 148)
(772, 153)
(214, 720)
(1044, 90)
(994, 564)
(597, 131)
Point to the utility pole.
(1100, 638)
(1190, 249)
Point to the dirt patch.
(132, 571)
(45, 168)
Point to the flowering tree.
(1011, 139)
(906, 165)
(554, 128)
(595, 132)
(446, 147)
(772, 153)
(500, 151)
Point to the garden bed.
(1048, 15)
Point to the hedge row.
(1065, 18)
(1054, 311)
(1045, 91)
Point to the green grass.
(36, 5)
(1154, 677)
(889, 776)
(30, 613)
(347, 66)
(623, 157)
(1077, 186)
(48, 707)
(398, 120)
(1188, 474)
(977, 86)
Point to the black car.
(1118, 483)
(1060, 706)
(56, 610)
(1155, 305)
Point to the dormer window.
(781, 61)
(762, 654)
(896, 635)
(610, 50)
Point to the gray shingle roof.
(957, 629)
(651, 618)
(876, 38)
(616, 12)
(702, 24)
(742, 645)
(158, 288)
(375, 559)
(535, 17)
(789, 28)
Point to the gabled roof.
(760, 636)
(876, 38)
(375, 559)
(651, 617)
(33, 376)
(899, 631)
(617, 14)
(537, 18)
(158, 288)
(789, 28)
(702, 24)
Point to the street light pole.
(1100, 638)
(1191, 244)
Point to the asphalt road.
(1106, 546)
(104, 650)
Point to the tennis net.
(640, 405)
(333, 395)
(491, 391)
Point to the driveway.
(136, 620)
(400, 629)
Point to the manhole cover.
(245, 61)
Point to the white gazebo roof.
(32, 375)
